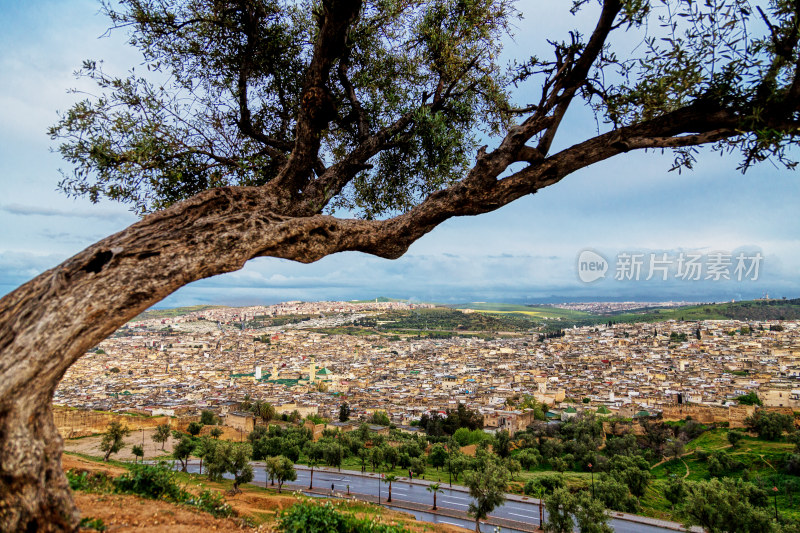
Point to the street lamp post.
(540, 494)
(775, 493)
(592, 471)
(450, 470)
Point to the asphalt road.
(458, 500)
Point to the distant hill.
(175, 311)
(495, 316)
(379, 299)
(744, 310)
(554, 318)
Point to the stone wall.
(706, 414)
(73, 423)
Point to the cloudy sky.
(525, 252)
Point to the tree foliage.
(487, 487)
(138, 451)
(208, 418)
(727, 506)
(344, 412)
(769, 425)
(559, 512)
(183, 450)
(281, 469)
(161, 434)
(751, 398)
(229, 90)
(232, 458)
(113, 439)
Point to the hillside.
(173, 312)
(253, 509)
(756, 310)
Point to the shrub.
(545, 483)
(208, 418)
(308, 517)
(92, 523)
(211, 502)
(768, 425)
(151, 481)
(88, 481)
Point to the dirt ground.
(122, 513)
(91, 445)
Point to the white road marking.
(454, 503)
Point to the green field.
(529, 310)
(756, 310)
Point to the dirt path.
(768, 463)
(665, 460)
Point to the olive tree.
(251, 122)
(113, 439)
(487, 487)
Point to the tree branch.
(320, 191)
(358, 113)
(563, 90)
(316, 106)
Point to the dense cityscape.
(211, 359)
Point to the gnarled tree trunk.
(51, 321)
(34, 494)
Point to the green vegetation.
(768, 425)
(751, 398)
(659, 471)
(113, 439)
(756, 310)
(281, 469)
(262, 321)
(161, 434)
(157, 482)
(487, 486)
(344, 412)
(566, 510)
(443, 320)
(380, 418)
(208, 418)
(92, 523)
(531, 311)
(310, 517)
(138, 452)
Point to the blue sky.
(525, 252)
